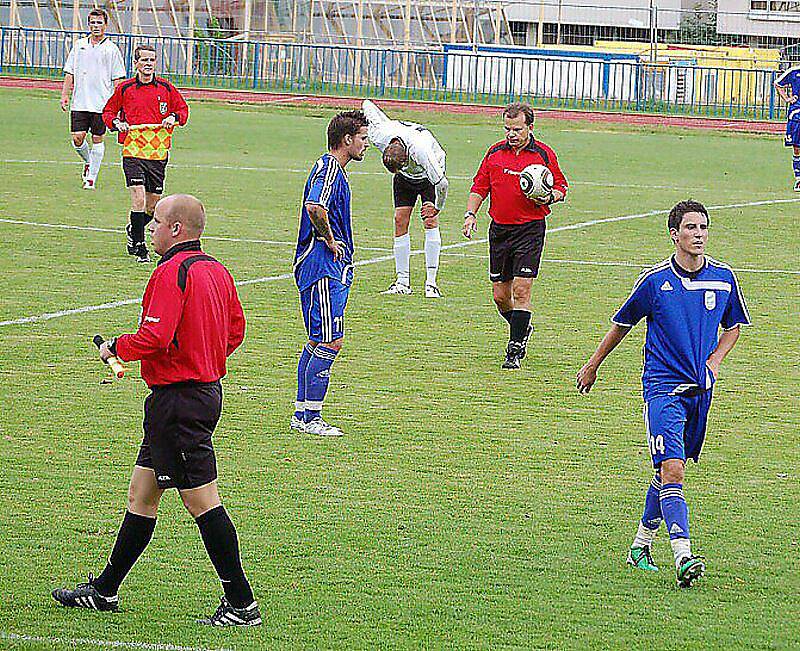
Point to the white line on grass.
(637, 265)
(383, 258)
(114, 644)
(219, 238)
(294, 170)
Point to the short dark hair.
(98, 12)
(517, 108)
(141, 48)
(346, 123)
(395, 156)
(682, 208)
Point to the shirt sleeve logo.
(710, 300)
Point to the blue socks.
(302, 364)
(317, 376)
(675, 510)
(651, 518)
(796, 166)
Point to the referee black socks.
(138, 221)
(222, 545)
(133, 537)
(519, 321)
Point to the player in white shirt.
(417, 160)
(94, 67)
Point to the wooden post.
(190, 45)
(13, 13)
(497, 24)
(76, 16)
(406, 41)
(453, 27)
(134, 17)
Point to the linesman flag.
(148, 141)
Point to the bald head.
(178, 218)
(395, 156)
(187, 210)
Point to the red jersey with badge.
(144, 107)
(191, 320)
(498, 175)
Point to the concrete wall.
(736, 17)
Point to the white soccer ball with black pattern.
(536, 182)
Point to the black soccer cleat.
(129, 242)
(525, 341)
(513, 355)
(85, 595)
(227, 615)
(142, 254)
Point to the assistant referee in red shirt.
(517, 230)
(191, 322)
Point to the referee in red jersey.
(144, 110)
(516, 234)
(191, 322)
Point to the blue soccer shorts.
(323, 306)
(792, 138)
(676, 426)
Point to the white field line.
(291, 170)
(98, 229)
(637, 265)
(383, 258)
(113, 644)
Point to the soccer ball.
(536, 182)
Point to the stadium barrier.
(583, 80)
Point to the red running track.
(749, 126)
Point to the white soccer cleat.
(88, 184)
(319, 427)
(398, 288)
(297, 425)
(432, 291)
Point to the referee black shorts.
(87, 121)
(179, 420)
(515, 250)
(407, 190)
(141, 171)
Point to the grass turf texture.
(466, 507)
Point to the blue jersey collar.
(684, 273)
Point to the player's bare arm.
(66, 90)
(587, 376)
(726, 343)
(474, 202)
(783, 91)
(319, 218)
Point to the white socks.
(402, 256)
(644, 537)
(83, 150)
(681, 548)
(95, 158)
(433, 245)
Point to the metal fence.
(490, 75)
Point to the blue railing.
(546, 78)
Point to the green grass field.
(466, 507)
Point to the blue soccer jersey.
(684, 312)
(327, 185)
(790, 78)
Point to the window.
(519, 32)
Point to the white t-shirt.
(426, 158)
(94, 67)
